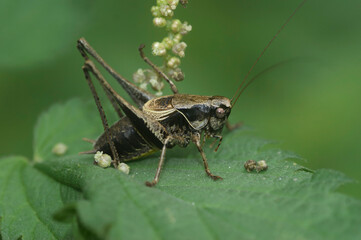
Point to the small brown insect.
(259, 166)
(158, 123)
(250, 165)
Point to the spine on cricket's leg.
(130, 144)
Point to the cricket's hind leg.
(87, 69)
(138, 95)
(152, 131)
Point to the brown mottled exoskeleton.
(157, 123)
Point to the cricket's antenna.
(239, 89)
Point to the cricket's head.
(203, 113)
(219, 112)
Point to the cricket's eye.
(220, 113)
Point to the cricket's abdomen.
(130, 144)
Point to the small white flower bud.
(261, 166)
(153, 81)
(177, 38)
(123, 167)
(158, 49)
(173, 62)
(156, 85)
(159, 93)
(176, 26)
(173, 4)
(262, 163)
(155, 11)
(167, 42)
(186, 28)
(139, 76)
(179, 49)
(159, 22)
(161, 2)
(166, 11)
(102, 159)
(59, 149)
(143, 86)
(152, 75)
(160, 86)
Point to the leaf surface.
(30, 30)
(284, 202)
(27, 200)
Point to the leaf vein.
(156, 231)
(31, 206)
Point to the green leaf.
(67, 124)
(27, 200)
(284, 202)
(37, 31)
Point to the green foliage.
(67, 123)
(30, 30)
(310, 105)
(284, 202)
(27, 200)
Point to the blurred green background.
(311, 104)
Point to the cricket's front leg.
(217, 138)
(196, 138)
(160, 164)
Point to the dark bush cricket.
(158, 123)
